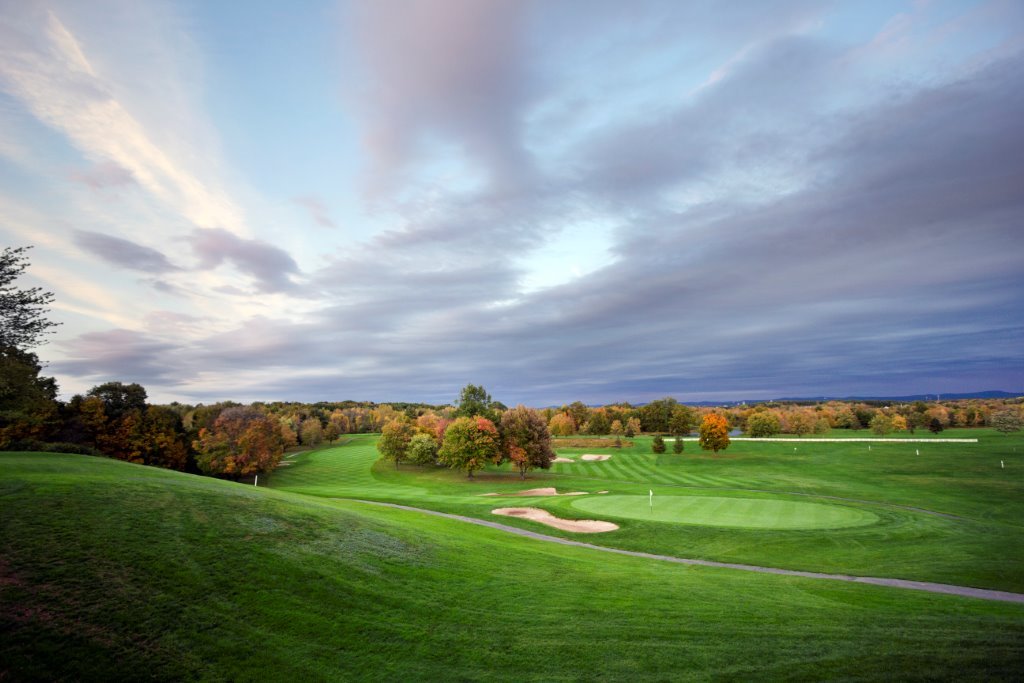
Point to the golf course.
(119, 571)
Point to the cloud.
(124, 253)
(127, 355)
(317, 210)
(46, 67)
(270, 266)
(103, 175)
(452, 72)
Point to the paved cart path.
(964, 591)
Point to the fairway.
(748, 513)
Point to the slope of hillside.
(116, 571)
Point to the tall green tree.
(28, 405)
(682, 420)
(23, 322)
(119, 398)
(422, 449)
(762, 424)
(656, 415)
(474, 400)
(525, 439)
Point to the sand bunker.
(583, 526)
(594, 458)
(561, 459)
(539, 492)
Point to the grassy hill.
(111, 571)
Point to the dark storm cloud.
(270, 266)
(123, 253)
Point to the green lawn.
(950, 514)
(111, 571)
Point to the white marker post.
(257, 482)
(1002, 466)
(651, 500)
(918, 451)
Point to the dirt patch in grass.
(582, 526)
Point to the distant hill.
(896, 399)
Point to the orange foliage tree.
(241, 441)
(714, 433)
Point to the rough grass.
(113, 571)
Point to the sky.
(559, 200)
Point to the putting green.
(750, 513)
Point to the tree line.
(233, 440)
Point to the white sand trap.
(600, 492)
(561, 459)
(583, 526)
(594, 458)
(550, 491)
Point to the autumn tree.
(632, 427)
(242, 441)
(422, 449)
(469, 444)
(311, 433)
(579, 412)
(658, 444)
(394, 440)
(714, 433)
(616, 428)
(332, 432)
(762, 424)
(881, 424)
(562, 425)
(899, 423)
(1007, 420)
(525, 440)
(801, 422)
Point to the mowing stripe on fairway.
(747, 513)
(927, 586)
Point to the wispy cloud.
(124, 253)
(270, 266)
(43, 64)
